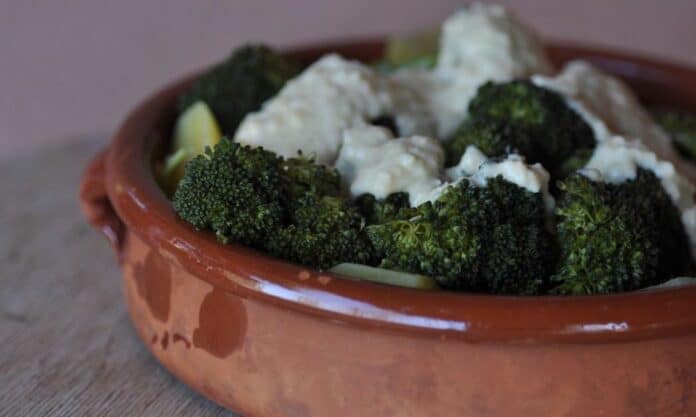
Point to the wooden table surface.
(67, 347)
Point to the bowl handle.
(96, 206)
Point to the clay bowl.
(268, 338)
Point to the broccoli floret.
(493, 137)
(575, 162)
(305, 175)
(482, 239)
(520, 116)
(324, 231)
(290, 208)
(235, 190)
(394, 206)
(240, 84)
(617, 237)
(681, 127)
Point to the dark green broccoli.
(681, 126)
(307, 176)
(394, 206)
(493, 137)
(240, 84)
(235, 190)
(617, 237)
(483, 239)
(520, 116)
(323, 231)
(290, 208)
(574, 162)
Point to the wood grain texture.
(66, 344)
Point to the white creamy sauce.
(477, 168)
(471, 161)
(311, 112)
(373, 162)
(533, 178)
(478, 44)
(411, 108)
(617, 160)
(611, 108)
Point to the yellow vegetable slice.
(385, 276)
(400, 50)
(196, 129)
(174, 162)
(169, 173)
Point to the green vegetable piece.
(617, 237)
(307, 176)
(196, 129)
(493, 137)
(167, 174)
(236, 191)
(174, 161)
(240, 85)
(416, 50)
(482, 239)
(518, 116)
(323, 231)
(291, 208)
(681, 126)
(395, 206)
(575, 162)
(385, 276)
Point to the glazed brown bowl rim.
(145, 210)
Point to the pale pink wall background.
(72, 68)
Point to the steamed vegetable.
(681, 126)
(322, 231)
(518, 116)
(290, 208)
(195, 130)
(618, 237)
(240, 84)
(385, 276)
(236, 191)
(416, 50)
(171, 171)
(376, 211)
(218, 101)
(483, 239)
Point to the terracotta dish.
(268, 338)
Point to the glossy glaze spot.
(222, 324)
(154, 284)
